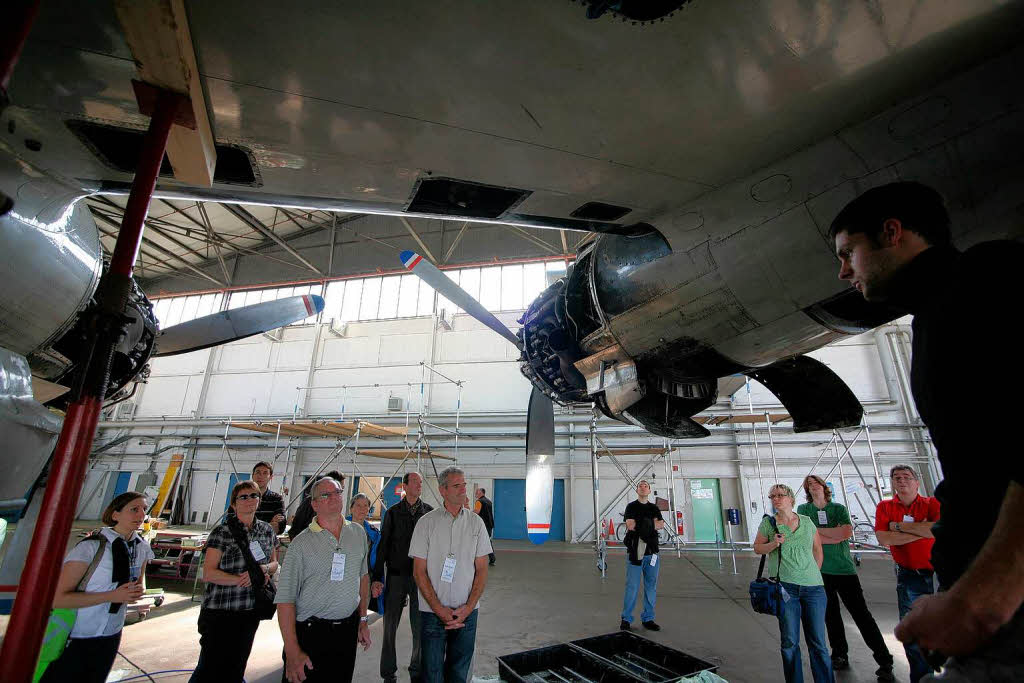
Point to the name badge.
(338, 567)
(257, 551)
(654, 560)
(822, 517)
(448, 570)
(908, 518)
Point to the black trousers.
(398, 589)
(84, 660)
(331, 646)
(225, 641)
(847, 588)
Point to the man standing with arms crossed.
(643, 522)
(840, 576)
(449, 549)
(393, 556)
(271, 509)
(894, 246)
(324, 590)
(904, 523)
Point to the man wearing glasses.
(904, 523)
(323, 594)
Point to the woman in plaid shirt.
(227, 620)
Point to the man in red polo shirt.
(904, 523)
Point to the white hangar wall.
(189, 397)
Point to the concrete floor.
(541, 596)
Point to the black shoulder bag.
(264, 591)
(765, 592)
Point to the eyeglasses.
(327, 496)
(249, 496)
(778, 495)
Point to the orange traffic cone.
(611, 529)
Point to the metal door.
(705, 501)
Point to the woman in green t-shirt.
(795, 538)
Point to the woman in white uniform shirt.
(118, 580)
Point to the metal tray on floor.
(560, 664)
(644, 659)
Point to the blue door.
(510, 509)
(122, 483)
(390, 496)
(231, 484)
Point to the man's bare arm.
(833, 535)
(479, 581)
(919, 529)
(419, 574)
(895, 538)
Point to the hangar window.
(180, 309)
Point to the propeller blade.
(429, 273)
(540, 452)
(237, 323)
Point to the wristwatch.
(898, 527)
(364, 618)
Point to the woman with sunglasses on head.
(228, 618)
(795, 556)
(117, 580)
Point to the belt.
(317, 621)
(919, 572)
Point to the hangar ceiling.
(201, 246)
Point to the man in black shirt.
(643, 522)
(485, 509)
(894, 246)
(393, 554)
(305, 513)
(271, 509)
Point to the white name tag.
(338, 567)
(654, 560)
(822, 517)
(908, 518)
(257, 551)
(448, 570)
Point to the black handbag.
(264, 591)
(765, 592)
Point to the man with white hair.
(449, 549)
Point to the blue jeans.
(806, 604)
(634, 573)
(446, 655)
(910, 585)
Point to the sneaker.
(885, 674)
(624, 625)
(651, 626)
(840, 662)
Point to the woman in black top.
(228, 619)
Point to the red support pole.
(19, 16)
(42, 566)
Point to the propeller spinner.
(540, 421)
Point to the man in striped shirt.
(324, 590)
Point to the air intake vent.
(394, 403)
(119, 149)
(447, 197)
(596, 211)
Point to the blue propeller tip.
(406, 256)
(318, 302)
(538, 539)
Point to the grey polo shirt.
(306, 573)
(438, 534)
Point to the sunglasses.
(248, 496)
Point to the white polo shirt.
(97, 620)
(438, 535)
